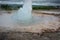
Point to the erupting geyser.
(25, 14)
(24, 21)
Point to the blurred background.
(36, 4)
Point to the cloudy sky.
(37, 2)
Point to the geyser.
(24, 14)
(22, 20)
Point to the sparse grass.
(8, 7)
(44, 7)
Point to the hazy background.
(35, 2)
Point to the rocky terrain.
(29, 36)
(47, 30)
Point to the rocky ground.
(50, 33)
(29, 36)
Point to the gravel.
(29, 36)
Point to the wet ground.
(29, 36)
(46, 27)
(39, 22)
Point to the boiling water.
(24, 15)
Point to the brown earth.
(49, 31)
